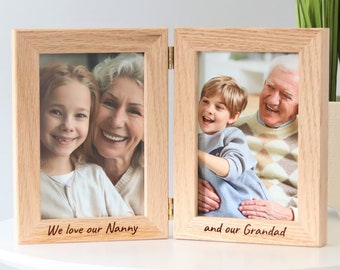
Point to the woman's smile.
(114, 137)
(120, 119)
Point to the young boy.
(224, 157)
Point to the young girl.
(224, 157)
(71, 188)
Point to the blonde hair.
(235, 97)
(56, 75)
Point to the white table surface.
(168, 254)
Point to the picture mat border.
(313, 48)
(28, 44)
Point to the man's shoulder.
(245, 119)
(244, 123)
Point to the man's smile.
(269, 108)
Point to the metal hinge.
(171, 57)
(170, 208)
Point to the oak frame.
(27, 45)
(313, 47)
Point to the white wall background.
(115, 13)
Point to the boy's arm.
(218, 165)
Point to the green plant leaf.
(323, 14)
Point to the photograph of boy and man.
(248, 164)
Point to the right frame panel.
(313, 48)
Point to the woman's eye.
(135, 112)
(109, 103)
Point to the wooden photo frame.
(312, 46)
(29, 44)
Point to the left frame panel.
(28, 45)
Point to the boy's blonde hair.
(235, 97)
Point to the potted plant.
(325, 13)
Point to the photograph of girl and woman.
(91, 137)
(248, 159)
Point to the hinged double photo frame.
(30, 46)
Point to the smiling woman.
(117, 139)
(119, 122)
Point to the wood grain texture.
(27, 45)
(334, 156)
(312, 46)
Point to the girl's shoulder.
(89, 168)
(91, 172)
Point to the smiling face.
(64, 119)
(119, 124)
(213, 114)
(279, 98)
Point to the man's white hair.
(289, 62)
